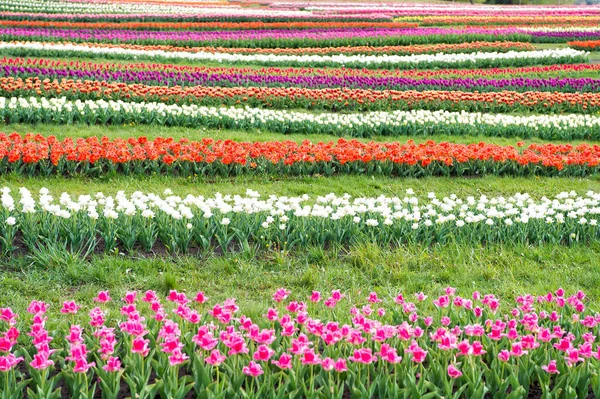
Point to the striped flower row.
(396, 123)
(466, 60)
(234, 222)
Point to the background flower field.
(270, 152)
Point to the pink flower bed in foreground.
(402, 346)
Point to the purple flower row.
(112, 34)
(166, 78)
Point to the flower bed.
(292, 97)
(438, 60)
(397, 123)
(232, 223)
(587, 45)
(34, 155)
(466, 347)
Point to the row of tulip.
(33, 155)
(506, 20)
(228, 78)
(208, 16)
(572, 70)
(241, 223)
(187, 8)
(212, 25)
(478, 59)
(179, 345)
(468, 47)
(587, 45)
(277, 38)
(296, 97)
(394, 124)
(114, 8)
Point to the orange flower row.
(585, 44)
(566, 20)
(205, 25)
(296, 96)
(36, 148)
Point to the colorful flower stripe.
(469, 47)
(229, 79)
(563, 20)
(588, 45)
(292, 97)
(230, 223)
(207, 25)
(543, 71)
(93, 156)
(206, 16)
(286, 38)
(439, 60)
(381, 345)
(397, 123)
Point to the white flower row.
(67, 7)
(309, 59)
(45, 6)
(369, 123)
(517, 209)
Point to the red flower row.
(276, 156)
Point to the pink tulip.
(442, 302)
(453, 372)
(420, 296)
(215, 358)
(130, 297)
(200, 297)
(113, 364)
(373, 298)
(263, 353)
(340, 365)
(177, 357)
(37, 307)
(336, 295)
(7, 315)
(150, 296)
(315, 296)
(363, 355)
(271, 314)
(280, 294)
(309, 357)
(551, 368)
(573, 357)
(504, 355)
(399, 299)
(41, 361)
(140, 345)
(284, 362)
(102, 297)
(82, 365)
(253, 369)
(8, 362)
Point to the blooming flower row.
(573, 70)
(587, 45)
(229, 78)
(93, 156)
(468, 47)
(464, 349)
(142, 222)
(213, 25)
(380, 123)
(510, 20)
(438, 60)
(298, 97)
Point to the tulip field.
(325, 200)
